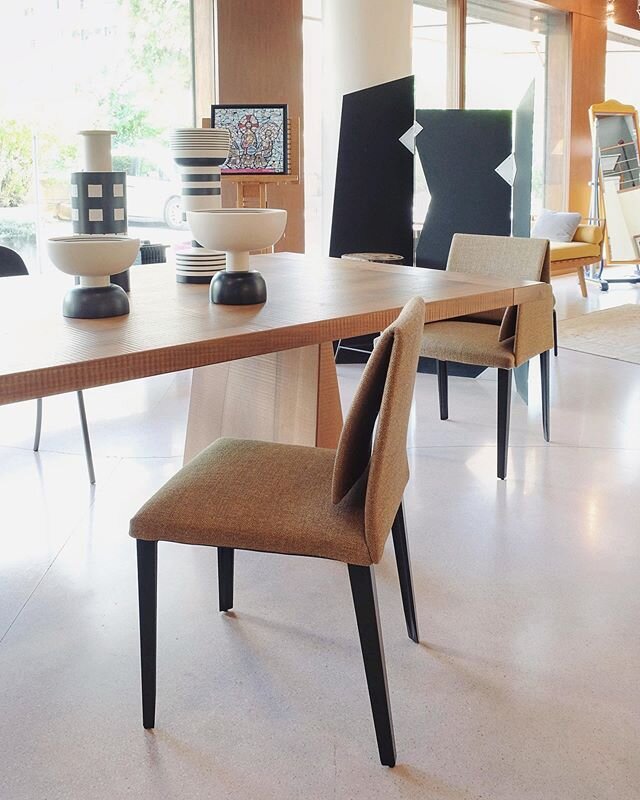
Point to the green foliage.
(130, 122)
(159, 47)
(158, 61)
(17, 234)
(15, 163)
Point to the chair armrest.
(533, 328)
(589, 234)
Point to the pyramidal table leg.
(291, 397)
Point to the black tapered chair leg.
(403, 562)
(148, 607)
(225, 578)
(365, 602)
(85, 438)
(544, 381)
(443, 388)
(504, 414)
(555, 333)
(36, 438)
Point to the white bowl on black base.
(238, 231)
(93, 259)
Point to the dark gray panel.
(459, 152)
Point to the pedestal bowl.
(93, 259)
(237, 231)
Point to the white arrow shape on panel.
(507, 169)
(408, 138)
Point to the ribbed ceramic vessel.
(199, 154)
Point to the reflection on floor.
(524, 686)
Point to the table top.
(173, 326)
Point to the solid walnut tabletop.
(173, 326)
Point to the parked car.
(153, 187)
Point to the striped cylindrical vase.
(199, 153)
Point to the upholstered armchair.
(505, 338)
(584, 249)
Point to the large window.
(69, 65)
(430, 69)
(512, 48)
(623, 66)
(430, 53)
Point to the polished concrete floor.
(525, 684)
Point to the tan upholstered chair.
(585, 249)
(338, 504)
(504, 338)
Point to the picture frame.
(259, 137)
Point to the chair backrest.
(511, 256)
(11, 264)
(379, 465)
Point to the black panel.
(459, 152)
(524, 155)
(428, 366)
(373, 199)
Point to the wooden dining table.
(264, 371)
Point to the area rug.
(612, 333)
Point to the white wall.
(366, 42)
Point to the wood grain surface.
(273, 398)
(173, 326)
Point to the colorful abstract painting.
(258, 138)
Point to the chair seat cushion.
(560, 251)
(467, 343)
(258, 496)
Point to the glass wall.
(511, 47)
(623, 62)
(430, 70)
(430, 53)
(120, 64)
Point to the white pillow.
(558, 226)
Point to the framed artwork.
(258, 138)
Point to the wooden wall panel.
(259, 55)
(587, 81)
(588, 52)
(589, 8)
(627, 14)
(203, 71)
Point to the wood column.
(259, 60)
(588, 56)
(456, 52)
(203, 68)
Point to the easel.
(244, 183)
